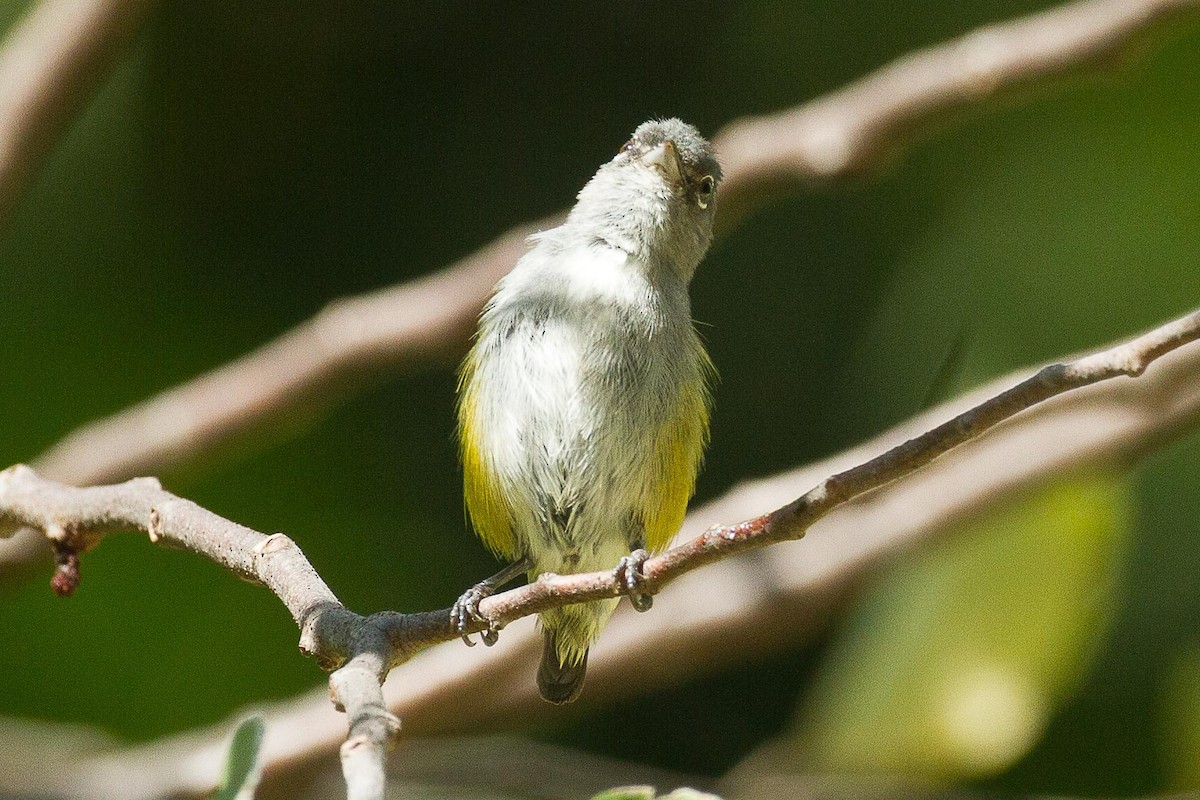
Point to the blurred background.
(248, 162)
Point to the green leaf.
(627, 793)
(242, 770)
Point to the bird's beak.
(665, 158)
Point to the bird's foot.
(629, 574)
(465, 612)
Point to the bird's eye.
(628, 146)
(704, 191)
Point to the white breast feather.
(558, 426)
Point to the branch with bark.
(721, 615)
(362, 650)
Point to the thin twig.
(76, 518)
(792, 521)
(726, 613)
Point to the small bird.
(584, 401)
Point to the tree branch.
(76, 519)
(859, 130)
(793, 520)
(50, 64)
(726, 613)
(366, 648)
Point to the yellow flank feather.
(485, 502)
(678, 452)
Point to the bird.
(584, 401)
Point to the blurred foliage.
(248, 162)
(956, 660)
(242, 768)
(1180, 734)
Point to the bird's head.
(656, 198)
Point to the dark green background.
(248, 162)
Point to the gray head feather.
(656, 203)
(694, 150)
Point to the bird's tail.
(557, 681)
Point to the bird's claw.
(629, 574)
(465, 612)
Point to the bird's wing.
(482, 493)
(678, 452)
